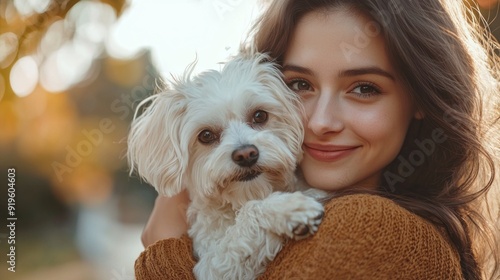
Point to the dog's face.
(226, 134)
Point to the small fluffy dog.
(233, 139)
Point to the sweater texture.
(361, 237)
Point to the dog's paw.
(297, 215)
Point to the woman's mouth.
(328, 153)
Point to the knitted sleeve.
(166, 259)
(368, 237)
(361, 237)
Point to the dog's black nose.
(246, 155)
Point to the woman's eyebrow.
(298, 69)
(365, 71)
(343, 73)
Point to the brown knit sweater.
(361, 237)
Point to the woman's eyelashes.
(365, 90)
(360, 89)
(299, 85)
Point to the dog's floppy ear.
(293, 110)
(154, 144)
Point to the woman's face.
(357, 111)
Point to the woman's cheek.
(379, 128)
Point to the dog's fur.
(240, 212)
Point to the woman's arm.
(361, 237)
(170, 258)
(168, 219)
(169, 251)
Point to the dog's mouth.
(249, 176)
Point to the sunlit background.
(72, 73)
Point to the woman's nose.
(325, 114)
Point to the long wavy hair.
(445, 171)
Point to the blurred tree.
(42, 42)
(25, 25)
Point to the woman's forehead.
(339, 38)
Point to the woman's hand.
(168, 219)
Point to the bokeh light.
(65, 67)
(24, 76)
(93, 20)
(29, 7)
(54, 37)
(8, 48)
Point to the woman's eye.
(365, 90)
(299, 85)
(259, 117)
(207, 136)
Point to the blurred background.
(71, 74)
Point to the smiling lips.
(328, 153)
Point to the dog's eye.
(259, 117)
(207, 137)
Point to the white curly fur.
(237, 226)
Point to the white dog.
(233, 140)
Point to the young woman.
(401, 98)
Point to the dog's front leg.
(295, 215)
(257, 235)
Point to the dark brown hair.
(446, 62)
